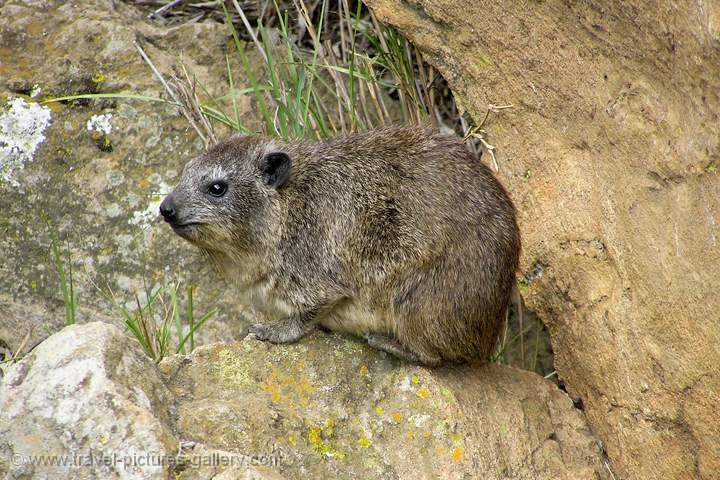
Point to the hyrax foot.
(394, 347)
(287, 330)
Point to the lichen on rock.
(22, 127)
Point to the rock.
(327, 407)
(611, 151)
(332, 407)
(59, 176)
(87, 390)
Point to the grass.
(322, 88)
(308, 91)
(63, 266)
(524, 342)
(151, 320)
(313, 89)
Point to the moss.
(102, 142)
(96, 82)
(63, 151)
(98, 78)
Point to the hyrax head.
(227, 195)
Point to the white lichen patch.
(145, 217)
(21, 132)
(36, 91)
(100, 123)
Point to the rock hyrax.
(398, 235)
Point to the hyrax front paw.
(262, 331)
(283, 331)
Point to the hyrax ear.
(275, 168)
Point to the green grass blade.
(119, 95)
(191, 319)
(176, 319)
(197, 325)
(65, 286)
(259, 97)
(231, 83)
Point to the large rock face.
(100, 202)
(328, 407)
(611, 153)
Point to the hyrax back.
(398, 235)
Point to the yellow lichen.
(364, 370)
(379, 410)
(397, 416)
(98, 79)
(423, 392)
(457, 454)
(414, 379)
(289, 387)
(231, 369)
(318, 438)
(364, 442)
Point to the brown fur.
(397, 234)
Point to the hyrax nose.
(167, 209)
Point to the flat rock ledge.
(87, 403)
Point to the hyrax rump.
(398, 235)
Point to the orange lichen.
(457, 454)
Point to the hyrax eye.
(217, 189)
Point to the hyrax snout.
(398, 235)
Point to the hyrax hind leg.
(394, 347)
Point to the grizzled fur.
(398, 235)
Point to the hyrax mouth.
(187, 230)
